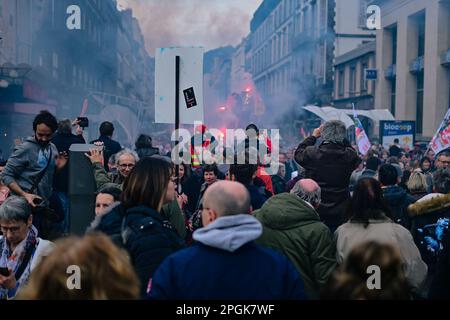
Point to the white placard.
(191, 76)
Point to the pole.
(177, 117)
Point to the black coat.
(63, 141)
(151, 239)
(398, 200)
(330, 165)
(440, 286)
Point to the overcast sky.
(207, 23)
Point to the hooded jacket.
(292, 227)
(225, 264)
(25, 164)
(398, 200)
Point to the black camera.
(40, 203)
(83, 122)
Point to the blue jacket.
(228, 265)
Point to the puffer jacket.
(149, 239)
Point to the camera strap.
(41, 174)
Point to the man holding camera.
(63, 139)
(30, 169)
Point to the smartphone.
(84, 122)
(4, 272)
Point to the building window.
(394, 44)
(55, 65)
(352, 81)
(363, 83)
(393, 95)
(421, 35)
(341, 83)
(419, 109)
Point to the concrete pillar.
(407, 45)
(383, 60)
(436, 77)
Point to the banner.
(404, 131)
(441, 139)
(362, 141)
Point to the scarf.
(13, 260)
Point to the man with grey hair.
(292, 226)
(330, 162)
(225, 263)
(125, 160)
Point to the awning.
(330, 113)
(344, 115)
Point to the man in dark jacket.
(244, 174)
(330, 164)
(111, 146)
(395, 196)
(292, 226)
(63, 139)
(225, 264)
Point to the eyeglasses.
(5, 230)
(125, 166)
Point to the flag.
(84, 108)
(441, 139)
(303, 133)
(362, 141)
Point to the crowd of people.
(227, 232)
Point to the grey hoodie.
(230, 232)
(25, 164)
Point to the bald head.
(308, 190)
(227, 198)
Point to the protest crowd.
(219, 231)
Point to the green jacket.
(292, 227)
(171, 211)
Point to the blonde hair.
(349, 282)
(105, 272)
(417, 182)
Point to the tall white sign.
(191, 85)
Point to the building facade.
(351, 84)
(413, 60)
(105, 63)
(293, 45)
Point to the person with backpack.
(21, 249)
(137, 223)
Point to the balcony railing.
(390, 72)
(445, 58)
(416, 65)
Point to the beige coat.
(350, 235)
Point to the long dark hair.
(147, 183)
(367, 202)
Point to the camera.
(39, 202)
(84, 122)
(4, 272)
